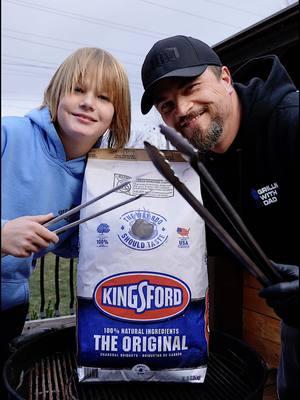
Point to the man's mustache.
(187, 118)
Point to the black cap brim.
(147, 101)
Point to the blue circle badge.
(142, 230)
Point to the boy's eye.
(103, 97)
(78, 89)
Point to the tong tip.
(180, 142)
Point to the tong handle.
(185, 147)
(81, 206)
(167, 172)
(236, 221)
(221, 233)
(80, 221)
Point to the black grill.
(45, 368)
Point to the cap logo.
(168, 54)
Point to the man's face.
(199, 108)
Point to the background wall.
(37, 35)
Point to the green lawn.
(50, 299)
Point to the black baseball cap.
(176, 56)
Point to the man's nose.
(182, 106)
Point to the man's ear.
(226, 79)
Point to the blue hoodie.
(36, 179)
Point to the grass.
(49, 284)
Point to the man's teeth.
(191, 120)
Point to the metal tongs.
(93, 200)
(263, 270)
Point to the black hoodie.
(260, 171)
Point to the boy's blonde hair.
(110, 78)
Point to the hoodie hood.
(261, 94)
(51, 142)
(42, 118)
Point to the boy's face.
(84, 115)
(198, 108)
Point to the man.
(247, 131)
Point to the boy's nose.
(88, 101)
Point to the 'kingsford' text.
(142, 296)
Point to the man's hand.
(25, 235)
(283, 297)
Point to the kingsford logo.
(142, 296)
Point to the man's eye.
(192, 87)
(165, 107)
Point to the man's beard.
(205, 140)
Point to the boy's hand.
(25, 235)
